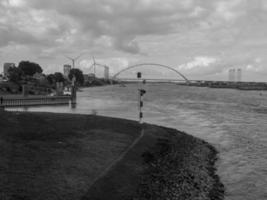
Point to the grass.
(56, 156)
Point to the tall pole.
(141, 93)
(94, 65)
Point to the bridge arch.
(153, 64)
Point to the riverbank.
(230, 85)
(58, 156)
(165, 164)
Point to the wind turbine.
(94, 64)
(73, 60)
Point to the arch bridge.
(150, 64)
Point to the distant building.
(89, 78)
(231, 75)
(235, 75)
(86, 78)
(106, 73)
(239, 75)
(91, 75)
(7, 66)
(66, 70)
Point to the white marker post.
(141, 93)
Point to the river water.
(234, 121)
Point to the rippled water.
(234, 121)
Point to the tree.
(78, 75)
(29, 68)
(51, 79)
(59, 77)
(15, 74)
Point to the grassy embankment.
(58, 156)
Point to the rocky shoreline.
(173, 165)
(180, 167)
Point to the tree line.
(26, 70)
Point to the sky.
(202, 39)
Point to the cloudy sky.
(202, 39)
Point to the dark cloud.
(83, 21)
(11, 35)
(121, 20)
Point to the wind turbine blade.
(69, 57)
(78, 56)
(91, 67)
(94, 60)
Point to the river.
(234, 121)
